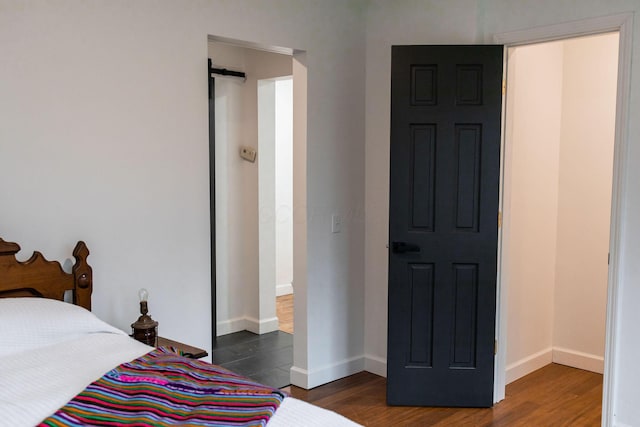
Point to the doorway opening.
(251, 159)
(558, 175)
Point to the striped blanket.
(163, 388)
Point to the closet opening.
(558, 167)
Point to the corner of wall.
(308, 379)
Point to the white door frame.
(621, 23)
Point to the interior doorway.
(560, 133)
(621, 23)
(245, 228)
(244, 182)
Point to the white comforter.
(35, 383)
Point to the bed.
(60, 363)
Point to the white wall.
(584, 207)
(284, 186)
(464, 22)
(104, 137)
(266, 291)
(230, 278)
(390, 23)
(534, 111)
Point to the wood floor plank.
(284, 311)
(555, 395)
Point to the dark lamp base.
(146, 336)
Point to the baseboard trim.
(247, 324)
(529, 364)
(261, 326)
(284, 289)
(232, 325)
(309, 379)
(562, 356)
(299, 377)
(578, 359)
(375, 365)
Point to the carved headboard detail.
(41, 278)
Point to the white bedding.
(34, 383)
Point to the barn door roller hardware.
(225, 72)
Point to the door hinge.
(504, 87)
(495, 347)
(499, 219)
(609, 258)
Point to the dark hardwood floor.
(555, 395)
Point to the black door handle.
(404, 247)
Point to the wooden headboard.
(41, 278)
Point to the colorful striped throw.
(163, 388)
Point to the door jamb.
(212, 201)
(623, 24)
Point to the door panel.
(468, 148)
(421, 344)
(445, 160)
(423, 177)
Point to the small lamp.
(145, 329)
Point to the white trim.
(299, 377)
(564, 30)
(310, 379)
(232, 325)
(375, 365)
(562, 356)
(623, 24)
(578, 359)
(529, 364)
(301, 341)
(247, 324)
(499, 380)
(261, 326)
(284, 289)
(252, 45)
(617, 220)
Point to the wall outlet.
(336, 223)
(248, 153)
